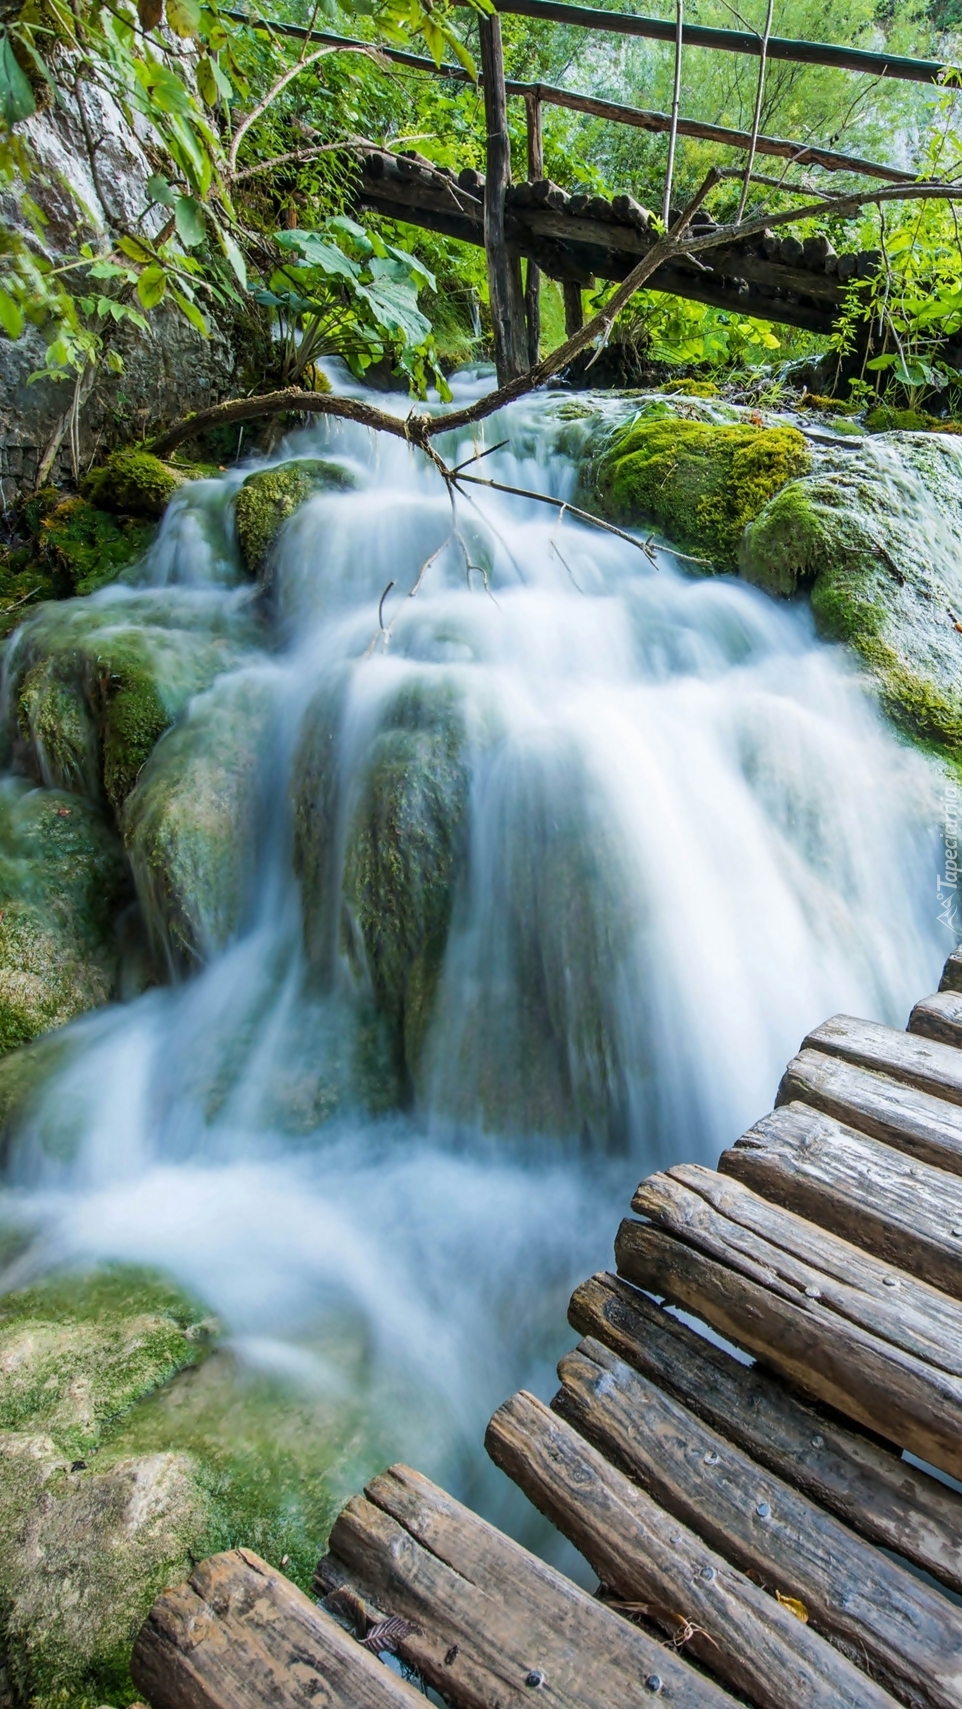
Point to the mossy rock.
(129, 1449)
(133, 483)
(874, 534)
(191, 822)
(268, 498)
(62, 876)
(691, 388)
(95, 686)
(84, 548)
(699, 483)
(884, 419)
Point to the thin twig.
(478, 456)
(757, 120)
(675, 103)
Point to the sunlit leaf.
(191, 313)
(152, 286)
(189, 220)
(11, 315)
(183, 16)
(235, 258)
(16, 96)
(133, 247)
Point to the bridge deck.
(757, 1533)
(582, 237)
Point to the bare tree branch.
(757, 120)
(280, 84)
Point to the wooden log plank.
(863, 1482)
(921, 1062)
(939, 1016)
(644, 1555)
(906, 1213)
(532, 285)
(915, 1122)
(801, 1319)
(241, 1635)
(504, 281)
(490, 1618)
(905, 1633)
(951, 979)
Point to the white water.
(689, 831)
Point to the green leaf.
(160, 191)
(135, 248)
(189, 220)
(234, 256)
(319, 253)
(151, 286)
(115, 362)
(11, 315)
(878, 363)
(183, 16)
(16, 96)
(191, 312)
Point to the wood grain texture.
(939, 1017)
(904, 1633)
(905, 1212)
(812, 1307)
(916, 1122)
(240, 1636)
(644, 1555)
(925, 1063)
(951, 979)
(863, 1482)
(489, 1615)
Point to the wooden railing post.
(574, 309)
(532, 292)
(504, 269)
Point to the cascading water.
(540, 877)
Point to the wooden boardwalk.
(575, 239)
(757, 1532)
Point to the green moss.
(191, 821)
(405, 845)
(87, 547)
(700, 483)
(691, 388)
(62, 875)
(133, 483)
(267, 499)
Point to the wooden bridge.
(762, 1532)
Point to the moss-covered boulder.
(192, 819)
(80, 547)
(268, 498)
(133, 483)
(94, 686)
(699, 483)
(874, 533)
(130, 1447)
(62, 876)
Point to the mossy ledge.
(267, 498)
(701, 484)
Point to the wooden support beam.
(504, 269)
(574, 309)
(916, 1122)
(532, 294)
(926, 1064)
(867, 1485)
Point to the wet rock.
(133, 483)
(874, 533)
(191, 821)
(96, 685)
(268, 498)
(81, 547)
(699, 482)
(62, 876)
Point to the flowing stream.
(650, 832)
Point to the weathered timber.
(906, 1213)
(951, 979)
(906, 1634)
(491, 1621)
(574, 308)
(915, 1122)
(729, 41)
(879, 1346)
(939, 1016)
(241, 1635)
(863, 1482)
(504, 276)
(924, 1063)
(646, 1557)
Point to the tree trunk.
(574, 313)
(532, 296)
(504, 270)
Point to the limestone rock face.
(874, 533)
(62, 878)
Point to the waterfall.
(546, 855)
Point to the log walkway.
(576, 239)
(748, 1494)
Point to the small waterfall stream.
(642, 831)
